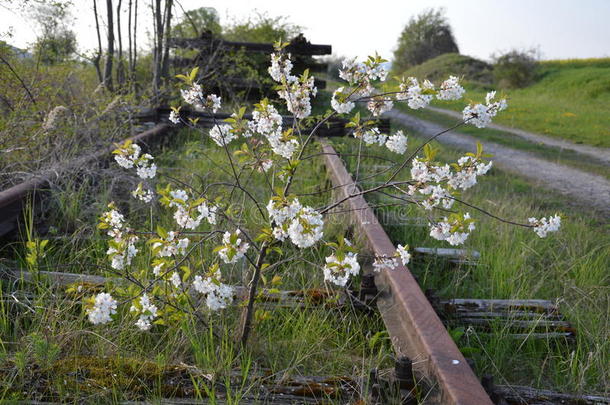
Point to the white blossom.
(373, 136)
(222, 134)
(142, 194)
(338, 271)
(175, 279)
(341, 107)
(218, 295)
(455, 231)
(306, 228)
(397, 143)
(174, 117)
(103, 307)
(148, 312)
(543, 226)
(480, 115)
(384, 263)
(416, 95)
(450, 89)
(403, 253)
(378, 106)
(233, 247)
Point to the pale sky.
(558, 28)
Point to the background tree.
(194, 22)
(425, 36)
(56, 42)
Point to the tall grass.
(570, 267)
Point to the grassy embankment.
(568, 99)
(570, 267)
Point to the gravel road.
(601, 154)
(585, 188)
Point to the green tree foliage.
(515, 68)
(194, 22)
(56, 42)
(424, 37)
(261, 28)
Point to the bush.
(468, 68)
(515, 69)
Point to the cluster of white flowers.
(222, 134)
(103, 307)
(281, 67)
(170, 245)
(298, 96)
(402, 252)
(122, 247)
(417, 96)
(424, 172)
(128, 156)
(267, 122)
(175, 279)
(378, 106)
(543, 226)
(233, 247)
(468, 168)
(371, 136)
(189, 216)
(420, 95)
(397, 143)
(143, 194)
(342, 107)
(306, 228)
(218, 295)
(296, 91)
(302, 224)
(174, 117)
(455, 230)
(148, 312)
(480, 115)
(362, 74)
(194, 96)
(450, 89)
(438, 181)
(338, 271)
(384, 263)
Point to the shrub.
(515, 68)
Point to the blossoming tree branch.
(169, 287)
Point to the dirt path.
(602, 154)
(587, 189)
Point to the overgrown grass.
(570, 267)
(51, 352)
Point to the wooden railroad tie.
(536, 319)
(208, 43)
(334, 127)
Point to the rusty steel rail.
(415, 328)
(13, 200)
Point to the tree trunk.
(167, 32)
(158, 40)
(110, 50)
(98, 56)
(120, 71)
